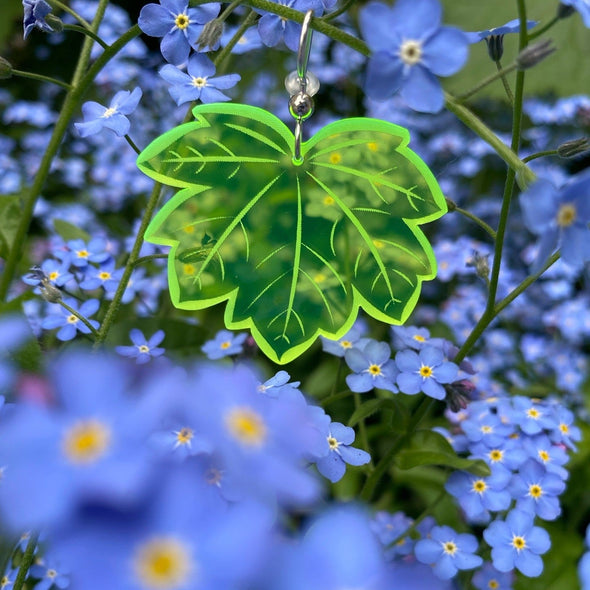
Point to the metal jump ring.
(304, 49)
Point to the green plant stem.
(115, 304)
(41, 78)
(466, 116)
(226, 51)
(87, 32)
(70, 11)
(27, 561)
(362, 427)
(453, 208)
(541, 155)
(426, 512)
(334, 397)
(544, 28)
(150, 257)
(332, 15)
(317, 24)
(385, 461)
(505, 83)
(491, 311)
(70, 104)
(500, 74)
(132, 144)
(80, 317)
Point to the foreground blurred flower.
(142, 350)
(410, 48)
(560, 219)
(177, 24)
(197, 84)
(98, 117)
(35, 13)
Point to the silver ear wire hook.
(301, 102)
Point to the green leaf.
(427, 447)
(369, 408)
(296, 248)
(68, 231)
(10, 214)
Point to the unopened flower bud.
(55, 23)
(5, 69)
(533, 54)
(49, 291)
(572, 148)
(481, 265)
(495, 45)
(210, 34)
(459, 394)
(565, 10)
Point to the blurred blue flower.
(488, 577)
(278, 385)
(424, 371)
(352, 338)
(67, 322)
(372, 366)
(582, 7)
(35, 13)
(448, 551)
(113, 117)
(104, 275)
(388, 527)
(177, 24)
(225, 343)
(198, 83)
(517, 543)
(333, 465)
(410, 49)
(80, 252)
(512, 26)
(559, 218)
(50, 573)
(142, 350)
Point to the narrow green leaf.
(68, 231)
(427, 447)
(369, 408)
(10, 214)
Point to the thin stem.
(132, 144)
(335, 397)
(505, 83)
(41, 78)
(337, 378)
(338, 12)
(86, 32)
(544, 28)
(466, 116)
(487, 228)
(71, 102)
(362, 427)
(150, 257)
(70, 11)
(80, 317)
(385, 461)
(225, 52)
(419, 519)
(131, 261)
(541, 155)
(486, 81)
(26, 562)
(317, 24)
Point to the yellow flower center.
(479, 486)
(374, 370)
(564, 428)
(225, 345)
(496, 455)
(109, 113)
(410, 52)
(544, 456)
(51, 573)
(246, 426)
(53, 275)
(335, 158)
(328, 200)
(184, 436)
(535, 491)
(373, 146)
(72, 319)
(188, 269)
(425, 371)
(566, 215)
(346, 344)
(163, 564)
(493, 584)
(182, 21)
(199, 82)
(86, 442)
(83, 253)
(449, 548)
(486, 429)
(143, 348)
(419, 338)
(104, 276)
(518, 543)
(532, 413)
(334, 444)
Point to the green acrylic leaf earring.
(295, 236)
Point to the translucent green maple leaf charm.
(295, 247)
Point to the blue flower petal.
(417, 19)
(422, 91)
(446, 52)
(385, 75)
